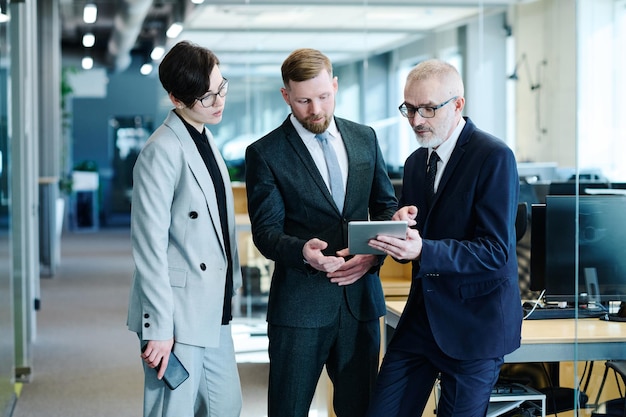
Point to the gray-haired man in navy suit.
(463, 313)
(324, 306)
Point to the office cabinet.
(84, 201)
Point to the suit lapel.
(304, 156)
(420, 176)
(455, 157)
(200, 171)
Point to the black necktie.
(431, 173)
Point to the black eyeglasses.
(209, 99)
(409, 111)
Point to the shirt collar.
(445, 149)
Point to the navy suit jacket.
(468, 268)
(289, 204)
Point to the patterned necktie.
(334, 172)
(431, 173)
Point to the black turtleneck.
(202, 143)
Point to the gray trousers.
(213, 388)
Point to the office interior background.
(546, 76)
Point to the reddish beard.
(315, 127)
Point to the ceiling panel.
(336, 17)
(258, 32)
(340, 31)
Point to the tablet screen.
(360, 232)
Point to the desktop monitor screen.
(571, 187)
(538, 247)
(601, 258)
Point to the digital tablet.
(360, 232)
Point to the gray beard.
(432, 142)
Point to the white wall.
(545, 30)
(485, 74)
(601, 64)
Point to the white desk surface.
(555, 340)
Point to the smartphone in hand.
(175, 373)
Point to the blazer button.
(146, 325)
(203, 266)
(146, 316)
(193, 214)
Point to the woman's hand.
(157, 354)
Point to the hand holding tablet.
(360, 232)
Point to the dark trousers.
(410, 368)
(348, 348)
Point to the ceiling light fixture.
(197, 1)
(146, 69)
(174, 30)
(90, 13)
(89, 40)
(87, 63)
(157, 53)
(3, 16)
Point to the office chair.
(521, 220)
(615, 407)
(523, 250)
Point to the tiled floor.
(85, 361)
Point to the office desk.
(256, 285)
(552, 341)
(555, 340)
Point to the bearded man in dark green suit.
(324, 304)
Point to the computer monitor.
(537, 247)
(570, 188)
(600, 225)
(537, 171)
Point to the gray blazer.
(177, 242)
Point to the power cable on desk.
(533, 310)
(536, 303)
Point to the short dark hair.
(304, 64)
(185, 70)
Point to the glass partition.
(545, 76)
(601, 174)
(6, 291)
(569, 142)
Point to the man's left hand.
(353, 269)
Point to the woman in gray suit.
(185, 247)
